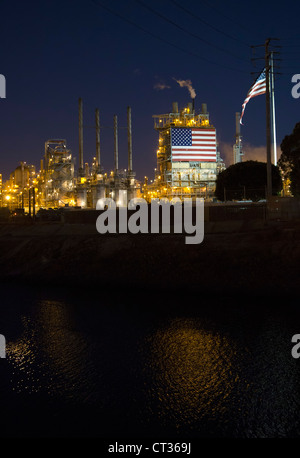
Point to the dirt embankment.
(258, 261)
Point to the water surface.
(141, 364)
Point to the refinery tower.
(188, 160)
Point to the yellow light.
(82, 180)
(7, 197)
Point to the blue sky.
(115, 53)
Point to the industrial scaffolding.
(57, 174)
(178, 178)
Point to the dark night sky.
(53, 52)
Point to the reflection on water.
(50, 355)
(222, 382)
(193, 371)
(102, 367)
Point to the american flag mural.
(193, 144)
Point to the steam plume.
(188, 84)
(161, 86)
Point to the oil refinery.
(188, 159)
(57, 184)
(188, 162)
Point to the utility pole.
(269, 73)
(268, 119)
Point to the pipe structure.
(29, 201)
(22, 175)
(116, 152)
(33, 202)
(80, 137)
(129, 131)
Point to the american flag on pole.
(193, 144)
(257, 88)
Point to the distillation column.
(237, 148)
(131, 175)
(81, 188)
(98, 189)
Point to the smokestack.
(190, 107)
(116, 143)
(237, 125)
(175, 107)
(129, 131)
(80, 138)
(204, 108)
(193, 105)
(86, 169)
(98, 163)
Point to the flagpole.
(268, 124)
(273, 112)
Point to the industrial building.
(93, 183)
(188, 162)
(58, 184)
(188, 159)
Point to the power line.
(195, 16)
(114, 13)
(287, 60)
(242, 26)
(153, 11)
(292, 53)
(293, 39)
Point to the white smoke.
(188, 84)
(251, 153)
(161, 86)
